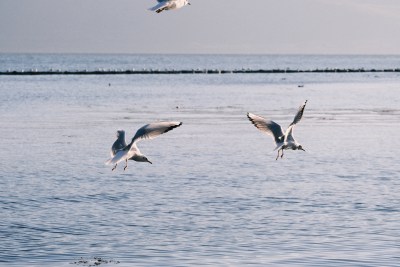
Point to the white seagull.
(122, 152)
(282, 140)
(169, 4)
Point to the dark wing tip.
(252, 120)
(249, 116)
(172, 127)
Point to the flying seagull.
(282, 140)
(122, 152)
(169, 4)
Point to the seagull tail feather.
(108, 162)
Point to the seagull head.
(143, 159)
(299, 147)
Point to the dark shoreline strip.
(205, 71)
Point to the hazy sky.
(207, 26)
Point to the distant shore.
(188, 71)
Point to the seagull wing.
(118, 145)
(152, 130)
(267, 126)
(299, 114)
(121, 155)
(160, 6)
(289, 134)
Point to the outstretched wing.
(160, 6)
(152, 130)
(119, 143)
(267, 126)
(299, 114)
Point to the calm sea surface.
(214, 196)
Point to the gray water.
(215, 195)
(92, 62)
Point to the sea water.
(214, 195)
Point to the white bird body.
(168, 5)
(283, 141)
(122, 152)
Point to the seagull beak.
(303, 149)
(149, 161)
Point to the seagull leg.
(282, 154)
(114, 167)
(126, 166)
(278, 154)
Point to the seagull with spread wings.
(169, 4)
(120, 151)
(282, 140)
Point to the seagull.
(282, 140)
(169, 4)
(122, 152)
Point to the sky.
(204, 27)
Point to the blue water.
(214, 196)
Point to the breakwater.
(186, 71)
